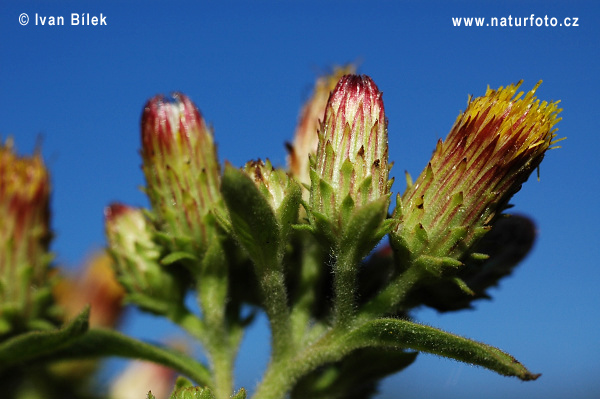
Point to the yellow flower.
(490, 152)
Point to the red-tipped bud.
(352, 156)
(181, 169)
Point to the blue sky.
(250, 65)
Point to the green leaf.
(253, 221)
(395, 333)
(101, 343)
(35, 344)
(241, 394)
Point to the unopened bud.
(352, 156)
(181, 169)
(273, 183)
(136, 254)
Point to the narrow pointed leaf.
(397, 333)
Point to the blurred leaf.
(395, 333)
(103, 343)
(32, 345)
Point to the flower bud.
(136, 254)
(282, 192)
(24, 237)
(490, 152)
(306, 138)
(273, 183)
(181, 168)
(352, 156)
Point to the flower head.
(493, 147)
(352, 156)
(181, 169)
(24, 233)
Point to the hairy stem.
(281, 375)
(276, 306)
(390, 297)
(346, 269)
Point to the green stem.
(346, 269)
(281, 375)
(389, 298)
(276, 306)
(222, 360)
(212, 335)
(191, 323)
